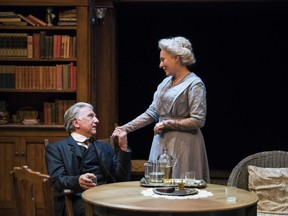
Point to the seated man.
(74, 163)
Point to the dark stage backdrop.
(242, 56)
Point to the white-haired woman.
(179, 108)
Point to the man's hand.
(158, 128)
(86, 181)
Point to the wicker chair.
(273, 159)
(266, 159)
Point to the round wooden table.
(125, 199)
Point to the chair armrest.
(67, 194)
(64, 192)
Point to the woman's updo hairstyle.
(179, 46)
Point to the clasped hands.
(120, 135)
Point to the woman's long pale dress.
(182, 108)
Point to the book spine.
(36, 45)
(10, 19)
(24, 46)
(49, 46)
(74, 47)
(27, 19)
(42, 44)
(29, 46)
(66, 76)
(72, 78)
(16, 77)
(36, 19)
(41, 77)
(59, 77)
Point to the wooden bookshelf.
(24, 144)
(18, 67)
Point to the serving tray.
(197, 183)
(185, 192)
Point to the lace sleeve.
(141, 121)
(181, 124)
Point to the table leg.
(89, 209)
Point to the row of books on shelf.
(38, 45)
(67, 17)
(54, 111)
(58, 77)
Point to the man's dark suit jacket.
(63, 161)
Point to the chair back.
(273, 159)
(67, 194)
(32, 191)
(137, 169)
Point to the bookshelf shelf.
(51, 28)
(42, 126)
(36, 91)
(13, 59)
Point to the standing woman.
(179, 108)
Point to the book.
(45, 77)
(22, 41)
(68, 19)
(15, 23)
(66, 23)
(57, 46)
(47, 113)
(66, 76)
(18, 77)
(69, 11)
(61, 111)
(34, 72)
(29, 46)
(72, 76)
(59, 77)
(28, 20)
(49, 46)
(53, 113)
(41, 77)
(10, 19)
(36, 45)
(68, 14)
(36, 19)
(7, 14)
(42, 44)
(52, 77)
